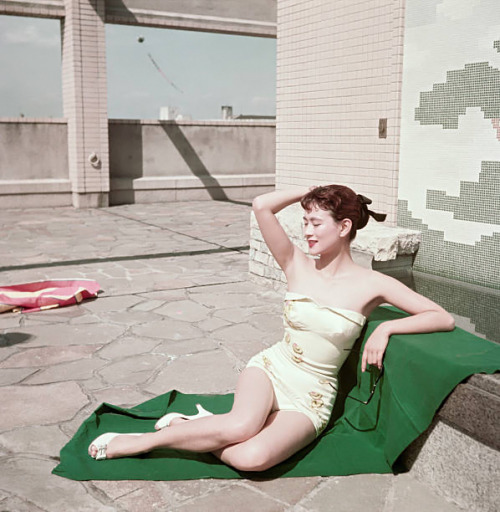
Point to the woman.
(285, 395)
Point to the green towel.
(420, 371)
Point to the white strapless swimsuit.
(303, 366)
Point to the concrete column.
(85, 101)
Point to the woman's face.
(322, 232)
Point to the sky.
(207, 70)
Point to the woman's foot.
(172, 418)
(113, 445)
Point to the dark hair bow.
(364, 200)
(379, 217)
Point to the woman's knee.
(248, 458)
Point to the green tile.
(477, 202)
(477, 85)
(476, 264)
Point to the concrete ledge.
(474, 409)
(33, 120)
(14, 187)
(169, 182)
(117, 12)
(185, 21)
(262, 123)
(196, 122)
(456, 465)
(35, 8)
(48, 193)
(45, 193)
(183, 188)
(458, 456)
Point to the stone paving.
(177, 311)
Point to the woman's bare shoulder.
(375, 275)
(374, 280)
(365, 273)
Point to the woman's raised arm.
(265, 207)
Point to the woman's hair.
(342, 203)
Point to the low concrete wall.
(34, 163)
(33, 149)
(154, 161)
(150, 161)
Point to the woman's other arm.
(426, 316)
(265, 207)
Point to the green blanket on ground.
(420, 371)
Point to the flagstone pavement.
(177, 310)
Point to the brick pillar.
(85, 101)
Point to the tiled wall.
(449, 179)
(474, 308)
(339, 72)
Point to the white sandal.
(101, 443)
(165, 421)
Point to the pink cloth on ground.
(41, 295)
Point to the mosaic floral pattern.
(477, 309)
(450, 138)
(475, 264)
(478, 201)
(477, 85)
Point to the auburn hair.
(342, 203)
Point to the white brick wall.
(339, 71)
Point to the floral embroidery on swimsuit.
(317, 403)
(286, 313)
(315, 394)
(268, 365)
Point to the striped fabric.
(42, 295)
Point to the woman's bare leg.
(253, 401)
(285, 433)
